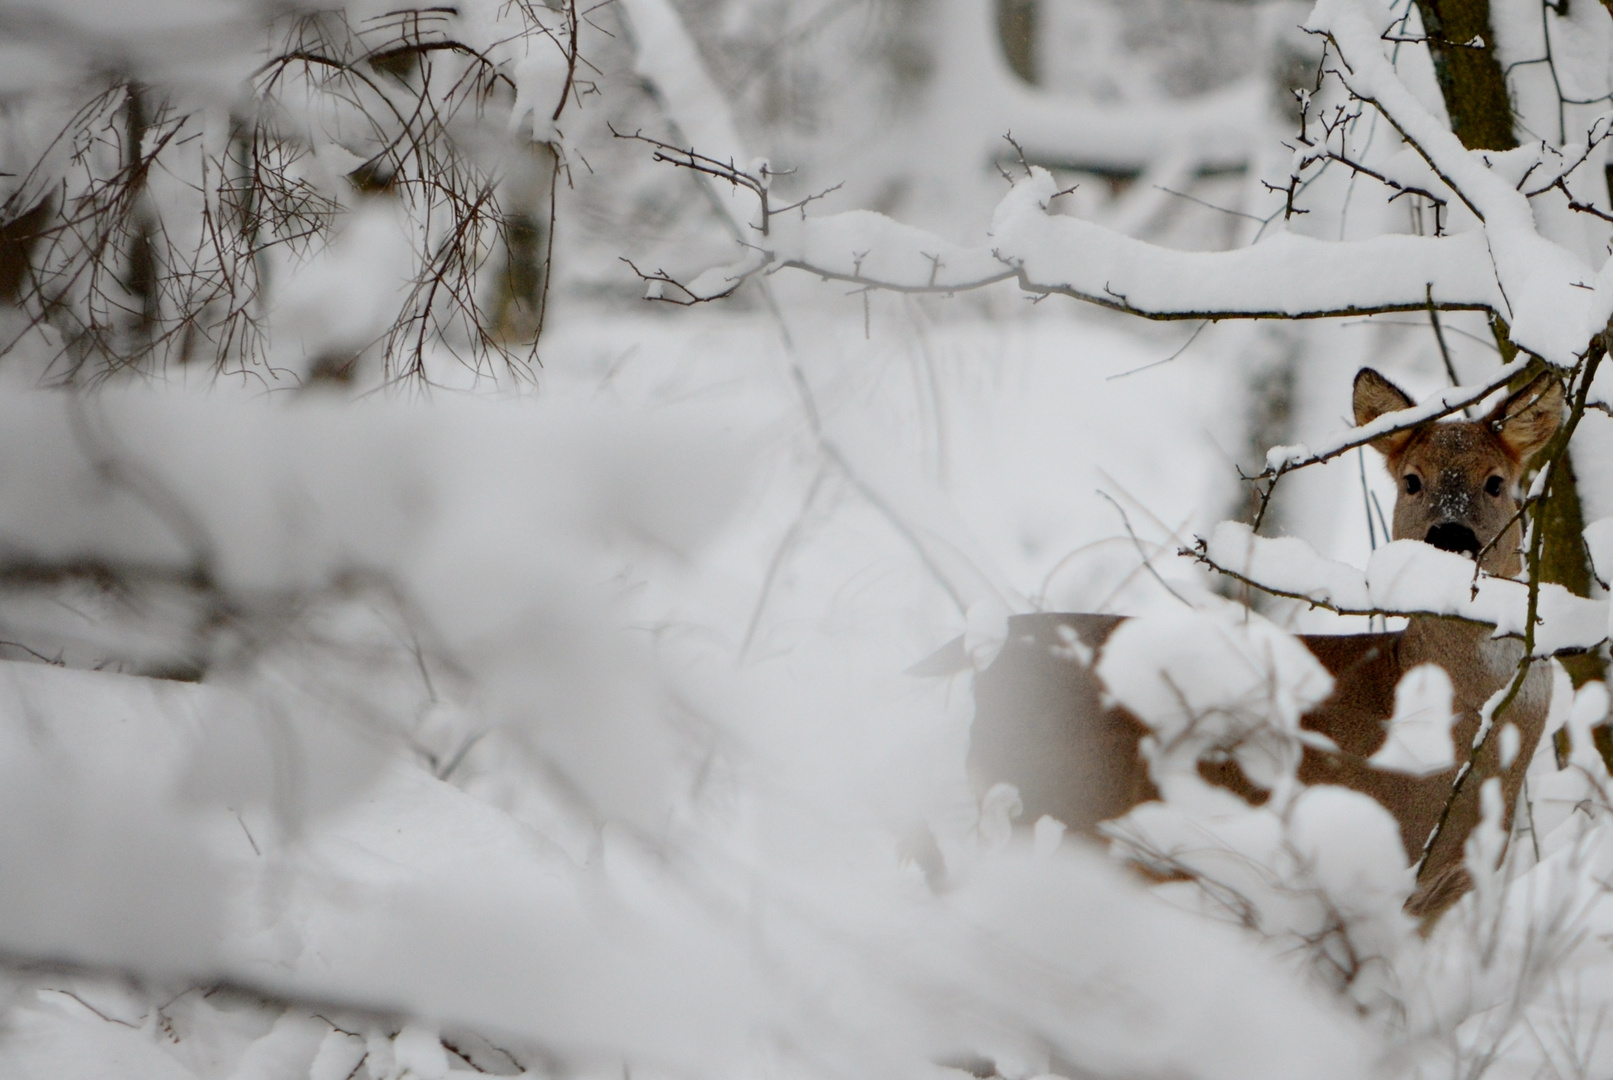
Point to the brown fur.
(1040, 723)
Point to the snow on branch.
(1285, 277)
(1281, 459)
(1406, 577)
(672, 69)
(859, 246)
(1554, 301)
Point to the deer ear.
(1374, 396)
(1527, 420)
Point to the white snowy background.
(549, 714)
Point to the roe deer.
(1040, 723)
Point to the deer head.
(1458, 479)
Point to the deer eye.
(1414, 483)
(1493, 485)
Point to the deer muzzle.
(1454, 536)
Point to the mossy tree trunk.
(1470, 76)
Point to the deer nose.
(1450, 536)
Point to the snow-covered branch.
(1285, 277)
(1281, 459)
(1553, 300)
(1406, 578)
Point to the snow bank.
(705, 850)
(487, 533)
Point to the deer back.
(1042, 725)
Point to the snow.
(1599, 543)
(1211, 678)
(1419, 739)
(1557, 792)
(856, 245)
(1287, 564)
(1441, 403)
(1055, 253)
(339, 301)
(1554, 302)
(320, 860)
(560, 728)
(1219, 128)
(861, 245)
(1323, 871)
(1409, 577)
(338, 1057)
(540, 82)
(420, 897)
(669, 62)
(106, 882)
(1275, 277)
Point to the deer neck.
(1505, 557)
(1478, 663)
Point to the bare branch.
(660, 281)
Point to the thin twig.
(1148, 563)
(1444, 350)
(776, 563)
(1194, 336)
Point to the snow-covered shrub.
(568, 736)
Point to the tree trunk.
(1470, 77)
(1475, 92)
(1016, 24)
(522, 286)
